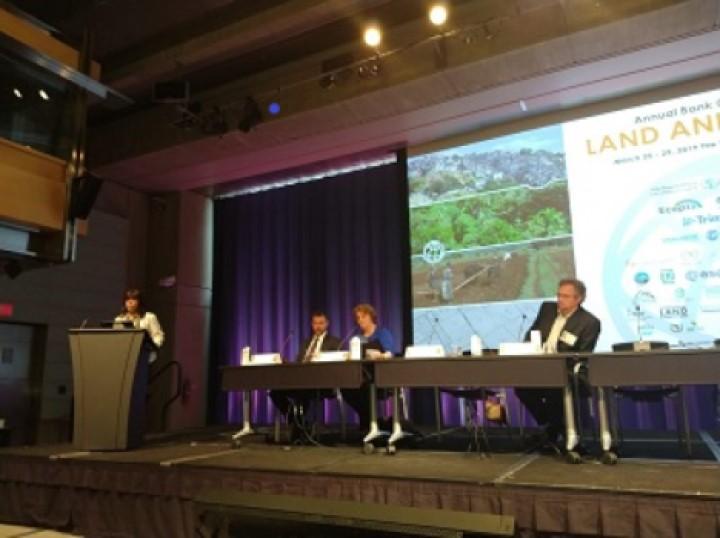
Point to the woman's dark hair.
(133, 294)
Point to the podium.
(110, 373)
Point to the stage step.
(218, 510)
(16, 531)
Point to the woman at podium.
(134, 311)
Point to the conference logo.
(677, 188)
(694, 276)
(642, 278)
(701, 219)
(667, 276)
(433, 252)
(681, 206)
(646, 329)
(682, 238)
(673, 311)
(644, 297)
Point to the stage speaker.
(85, 189)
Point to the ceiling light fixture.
(438, 14)
(372, 36)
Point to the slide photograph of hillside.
(490, 221)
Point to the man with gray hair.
(565, 326)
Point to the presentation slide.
(628, 201)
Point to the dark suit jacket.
(330, 343)
(582, 324)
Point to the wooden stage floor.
(545, 494)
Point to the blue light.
(274, 108)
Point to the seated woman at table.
(378, 342)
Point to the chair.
(470, 398)
(299, 418)
(651, 393)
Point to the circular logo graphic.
(433, 251)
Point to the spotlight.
(372, 36)
(17, 93)
(43, 95)
(250, 115)
(369, 69)
(274, 108)
(438, 14)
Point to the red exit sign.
(6, 310)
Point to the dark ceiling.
(127, 31)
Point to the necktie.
(311, 348)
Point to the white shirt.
(150, 323)
(550, 345)
(314, 347)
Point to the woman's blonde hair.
(368, 309)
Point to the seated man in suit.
(565, 326)
(320, 341)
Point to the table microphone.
(437, 328)
(348, 335)
(284, 345)
(521, 336)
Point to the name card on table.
(425, 352)
(518, 348)
(263, 359)
(331, 356)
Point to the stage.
(150, 491)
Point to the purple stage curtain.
(330, 244)
(327, 244)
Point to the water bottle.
(536, 341)
(355, 348)
(476, 346)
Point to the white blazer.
(150, 323)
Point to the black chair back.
(630, 346)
